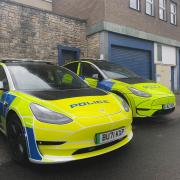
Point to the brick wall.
(94, 46)
(31, 33)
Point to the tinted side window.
(3, 78)
(73, 67)
(89, 71)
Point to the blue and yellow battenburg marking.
(5, 102)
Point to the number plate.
(110, 136)
(168, 106)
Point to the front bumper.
(154, 106)
(52, 159)
(76, 140)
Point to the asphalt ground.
(153, 154)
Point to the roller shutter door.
(136, 60)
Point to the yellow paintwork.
(87, 122)
(158, 92)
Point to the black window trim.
(5, 72)
(72, 63)
(96, 67)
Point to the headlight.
(139, 93)
(125, 105)
(45, 115)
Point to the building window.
(159, 52)
(173, 13)
(162, 10)
(135, 4)
(150, 7)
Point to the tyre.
(16, 140)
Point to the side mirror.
(1, 85)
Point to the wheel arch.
(10, 113)
(121, 95)
(13, 116)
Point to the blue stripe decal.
(33, 149)
(8, 98)
(82, 77)
(106, 85)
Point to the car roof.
(24, 61)
(95, 61)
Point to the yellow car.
(50, 115)
(145, 97)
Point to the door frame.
(67, 48)
(172, 78)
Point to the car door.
(4, 80)
(90, 74)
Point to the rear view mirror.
(95, 76)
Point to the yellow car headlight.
(139, 93)
(47, 116)
(125, 105)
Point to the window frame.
(164, 8)
(72, 63)
(173, 13)
(152, 3)
(94, 67)
(159, 53)
(138, 5)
